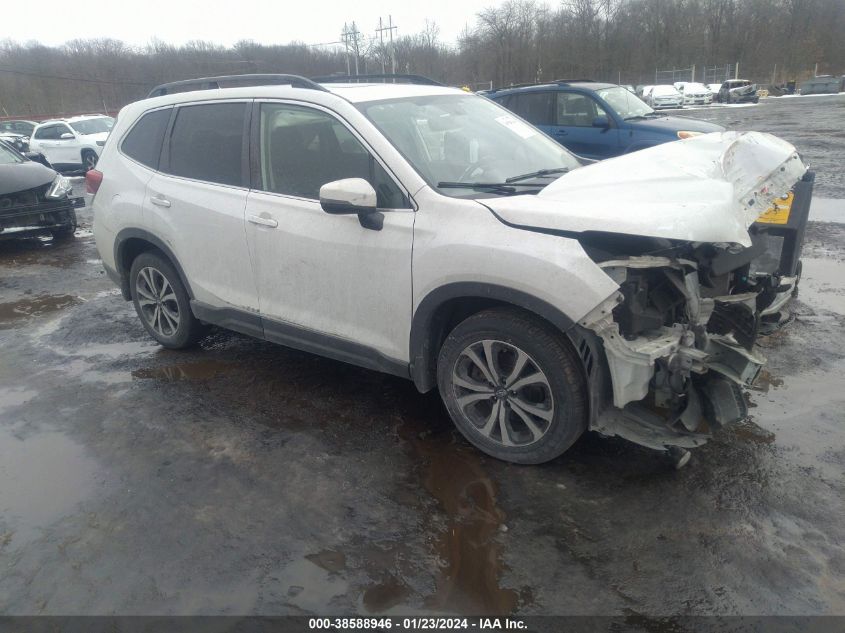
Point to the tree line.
(518, 41)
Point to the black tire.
(188, 329)
(548, 352)
(65, 232)
(89, 159)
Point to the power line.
(15, 71)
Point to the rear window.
(207, 143)
(143, 143)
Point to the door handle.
(561, 133)
(262, 221)
(160, 201)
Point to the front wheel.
(513, 386)
(162, 303)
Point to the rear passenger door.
(196, 201)
(326, 282)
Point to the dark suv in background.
(596, 120)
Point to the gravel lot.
(245, 478)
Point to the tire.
(552, 388)
(89, 159)
(65, 232)
(162, 303)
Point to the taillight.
(93, 178)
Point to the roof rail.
(542, 83)
(382, 77)
(572, 81)
(211, 83)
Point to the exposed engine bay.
(679, 334)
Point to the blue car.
(596, 120)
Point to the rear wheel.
(162, 303)
(513, 386)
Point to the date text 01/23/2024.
(419, 623)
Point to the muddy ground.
(246, 478)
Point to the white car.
(73, 143)
(663, 96)
(430, 233)
(694, 93)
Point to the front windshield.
(467, 139)
(93, 126)
(8, 156)
(626, 104)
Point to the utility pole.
(351, 37)
(389, 28)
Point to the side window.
(302, 149)
(534, 107)
(207, 143)
(577, 110)
(63, 129)
(143, 143)
(48, 133)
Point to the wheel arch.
(445, 307)
(130, 243)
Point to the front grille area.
(31, 208)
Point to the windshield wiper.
(498, 187)
(537, 174)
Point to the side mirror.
(67, 135)
(601, 121)
(352, 195)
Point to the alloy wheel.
(503, 393)
(157, 301)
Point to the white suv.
(73, 143)
(429, 233)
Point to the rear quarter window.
(143, 143)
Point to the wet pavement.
(245, 478)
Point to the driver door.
(325, 281)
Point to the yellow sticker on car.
(778, 213)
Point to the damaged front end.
(678, 343)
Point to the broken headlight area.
(678, 338)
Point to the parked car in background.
(34, 199)
(74, 143)
(663, 96)
(18, 126)
(823, 84)
(596, 120)
(737, 91)
(714, 89)
(19, 141)
(694, 93)
(429, 233)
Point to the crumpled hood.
(708, 188)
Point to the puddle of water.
(385, 595)
(38, 251)
(31, 307)
(308, 586)
(42, 478)
(198, 370)
(329, 560)
(15, 397)
(823, 284)
(469, 548)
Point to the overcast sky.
(225, 22)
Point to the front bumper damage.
(670, 385)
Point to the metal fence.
(718, 74)
(676, 74)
